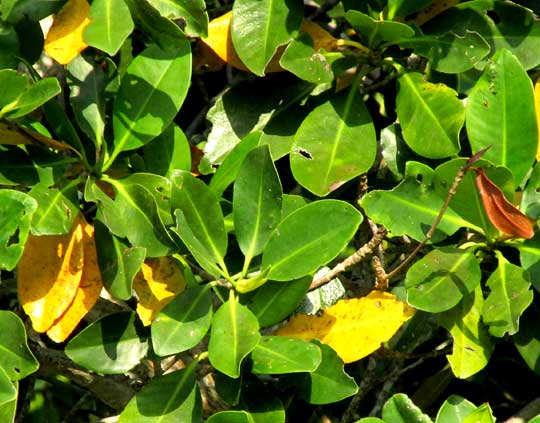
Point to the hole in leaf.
(14, 238)
(419, 178)
(16, 370)
(494, 16)
(305, 153)
(537, 189)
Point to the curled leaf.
(156, 284)
(65, 38)
(354, 328)
(503, 215)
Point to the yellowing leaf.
(537, 111)
(65, 38)
(219, 43)
(49, 274)
(87, 293)
(156, 284)
(353, 328)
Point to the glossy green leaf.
(10, 50)
(412, 207)
(472, 344)
(168, 152)
(303, 241)
(12, 86)
(440, 279)
(467, 201)
(174, 397)
(279, 355)
(400, 409)
(112, 345)
(16, 359)
(260, 27)
(529, 255)
(182, 323)
(509, 297)
(234, 334)
(199, 221)
(500, 114)
(263, 405)
(335, 143)
(193, 12)
(235, 416)
(394, 150)
(454, 409)
(56, 210)
(256, 201)
(535, 419)
(274, 301)
(61, 125)
(150, 95)
(228, 170)
(375, 32)
(34, 96)
(16, 210)
(482, 414)
(450, 52)
(87, 83)
(228, 388)
(110, 25)
(8, 391)
(118, 262)
(8, 410)
(134, 215)
(15, 10)
(527, 339)
(302, 60)
(530, 200)
(431, 116)
(164, 32)
(329, 382)
(245, 108)
(290, 203)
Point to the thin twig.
(369, 380)
(364, 251)
(449, 196)
(532, 409)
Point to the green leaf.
(164, 32)
(414, 198)
(527, 339)
(234, 334)
(167, 152)
(228, 388)
(500, 114)
(274, 301)
(440, 279)
(174, 397)
(335, 143)
(262, 404)
(182, 323)
(260, 27)
(328, 383)
(8, 410)
(529, 255)
(454, 409)
(199, 221)
(236, 416)
(450, 52)
(110, 25)
(279, 355)
(472, 344)
(400, 409)
(509, 298)
(15, 10)
(36, 95)
(87, 84)
(112, 345)
(304, 241)
(429, 112)
(16, 359)
(256, 202)
(56, 210)
(482, 414)
(150, 95)
(302, 60)
(228, 170)
(290, 203)
(118, 262)
(370, 420)
(16, 210)
(405, 7)
(12, 86)
(375, 31)
(193, 12)
(10, 50)
(530, 200)
(8, 391)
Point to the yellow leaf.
(218, 45)
(156, 284)
(353, 328)
(49, 274)
(87, 293)
(537, 111)
(65, 38)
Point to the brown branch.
(531, 410)
(364, 251)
